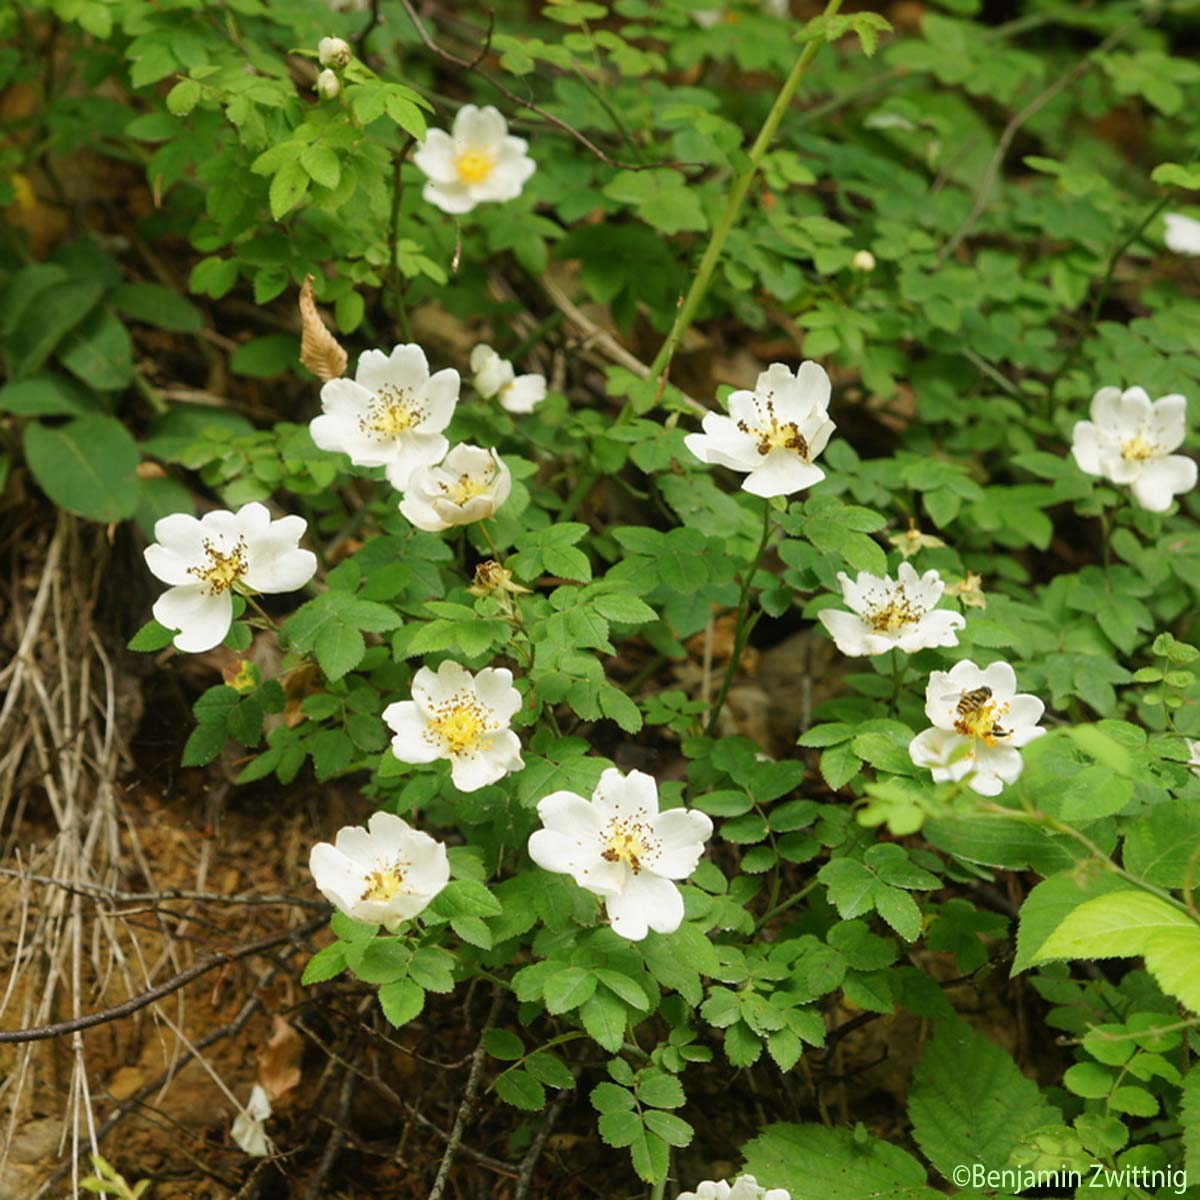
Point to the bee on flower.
(476, 163)
(980, 721)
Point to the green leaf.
(659, 1089)
(339, 649)
(1127, 923)
(151, 636)
(99, 352)
(288, 188)
(673, 1130)
(503, 1044)
(401, 1001)
(327, 963)
(662, 199)
(1050, 903)
(623, 986)
(87, 466)
(969, 1101)
(51, 315)
(518, 1088)
(567, 989)
(183, 97)
(835, 1164)
(604, 1018)
(48, 395)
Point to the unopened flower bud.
(491, 577)
(334, 52)
(863, 261)
(329, 87)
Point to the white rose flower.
(1182, 233)
(892, 614)
(334, 52)
(248, 1132)
(773, 432)
(1193, 755)
(863, 260)
(476, 163)
(494, 376)
(1129, 440)
(391, 414)
(463, 717)
(619, 846)
(206, 560)
(384, 875)
(745, 1187)
(979, 721)
(468, 485)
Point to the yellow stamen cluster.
(461, 725)
(897, 612)
(222, 570)
(629, 841)
(385, 882)
(474, 166)
(391, 412)
(1139, 450)
(467, 487)
(979, 716)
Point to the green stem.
(733, 204)
(898, 674)
(686, 313)
(744, 626)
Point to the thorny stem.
(686, 312)
(744, 626)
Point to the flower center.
(391, 412)
(629, 841)
(461, 724)
(1137, 449)
(897, 612)
(222, 570)
(474, 166)
(772, 434)
(385, 882)
(979, 716)
(467, 487)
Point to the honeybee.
(974, 702)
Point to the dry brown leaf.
(279, 1060)
(319, 349)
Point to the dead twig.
(134, 1003)
(470, 1095)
